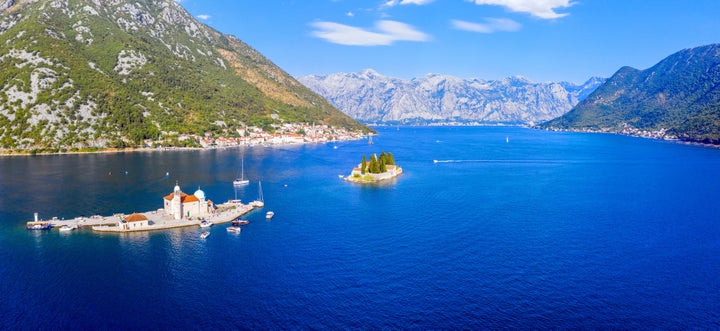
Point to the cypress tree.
(364, 165)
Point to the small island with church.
(378, 168)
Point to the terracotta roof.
(189, 198)
(135, 217)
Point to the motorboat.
(204, 234)
(67, 228)
(206, 224)
(234, 229)
(269, 215)
(38, 225)
(240, 222)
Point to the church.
(180, 205)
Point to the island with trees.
(378, 168)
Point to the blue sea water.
(546, 230)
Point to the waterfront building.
(134, 221)
(181, 205)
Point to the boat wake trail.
(502, 161)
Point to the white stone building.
(180, 205)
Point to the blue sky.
(543, 40)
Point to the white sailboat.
(241, 181)
(260, 202)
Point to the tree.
(382, 165)
(363, 167)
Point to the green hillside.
(112, 73)
(680, 94)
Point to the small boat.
(206, 224)
(38, 225)
(234, 229)
(341, 176)
(204, 234)
(370, 142)
(269, 215)
(240, 222)
(260, 202)
(241, 181)
(67, 228)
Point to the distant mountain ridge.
(115, 72)
(373, 98)
(679, 95)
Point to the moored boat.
(204, 234)
(234, 229)
(67, 228)
(206, 224)
(38, 225)
(240, 222)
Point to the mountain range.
(116, 72)
(679, 95)
(373, 98)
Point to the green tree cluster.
(377, 165)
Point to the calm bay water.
(548, 230)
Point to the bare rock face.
(371, 97)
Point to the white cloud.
(391, 3)
(385, 33)
(204, 17)
(491, 25)
(350, 14)
(540, 8)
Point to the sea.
(487, 228)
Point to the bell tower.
(177, 202)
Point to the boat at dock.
(206, 224)
(234, 229)
(204, 234)
(260, 202)
(269, 215)
(38, 225)
(67, 228)
(240, 222)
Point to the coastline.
(635, 135)
(168, 149)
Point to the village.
(284, 134)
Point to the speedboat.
(240, 222)
(240, 182)
(269, 215)
(67, 228)
(234, 229)
(206, 224)
(204, 234)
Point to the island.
(379, 168)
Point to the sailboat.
(241, 181)
(260, 202)
(370, 142)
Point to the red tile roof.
(183, 197)
(135, 217)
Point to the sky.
(542, 40)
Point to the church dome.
(199, 194)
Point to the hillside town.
(284, 134)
